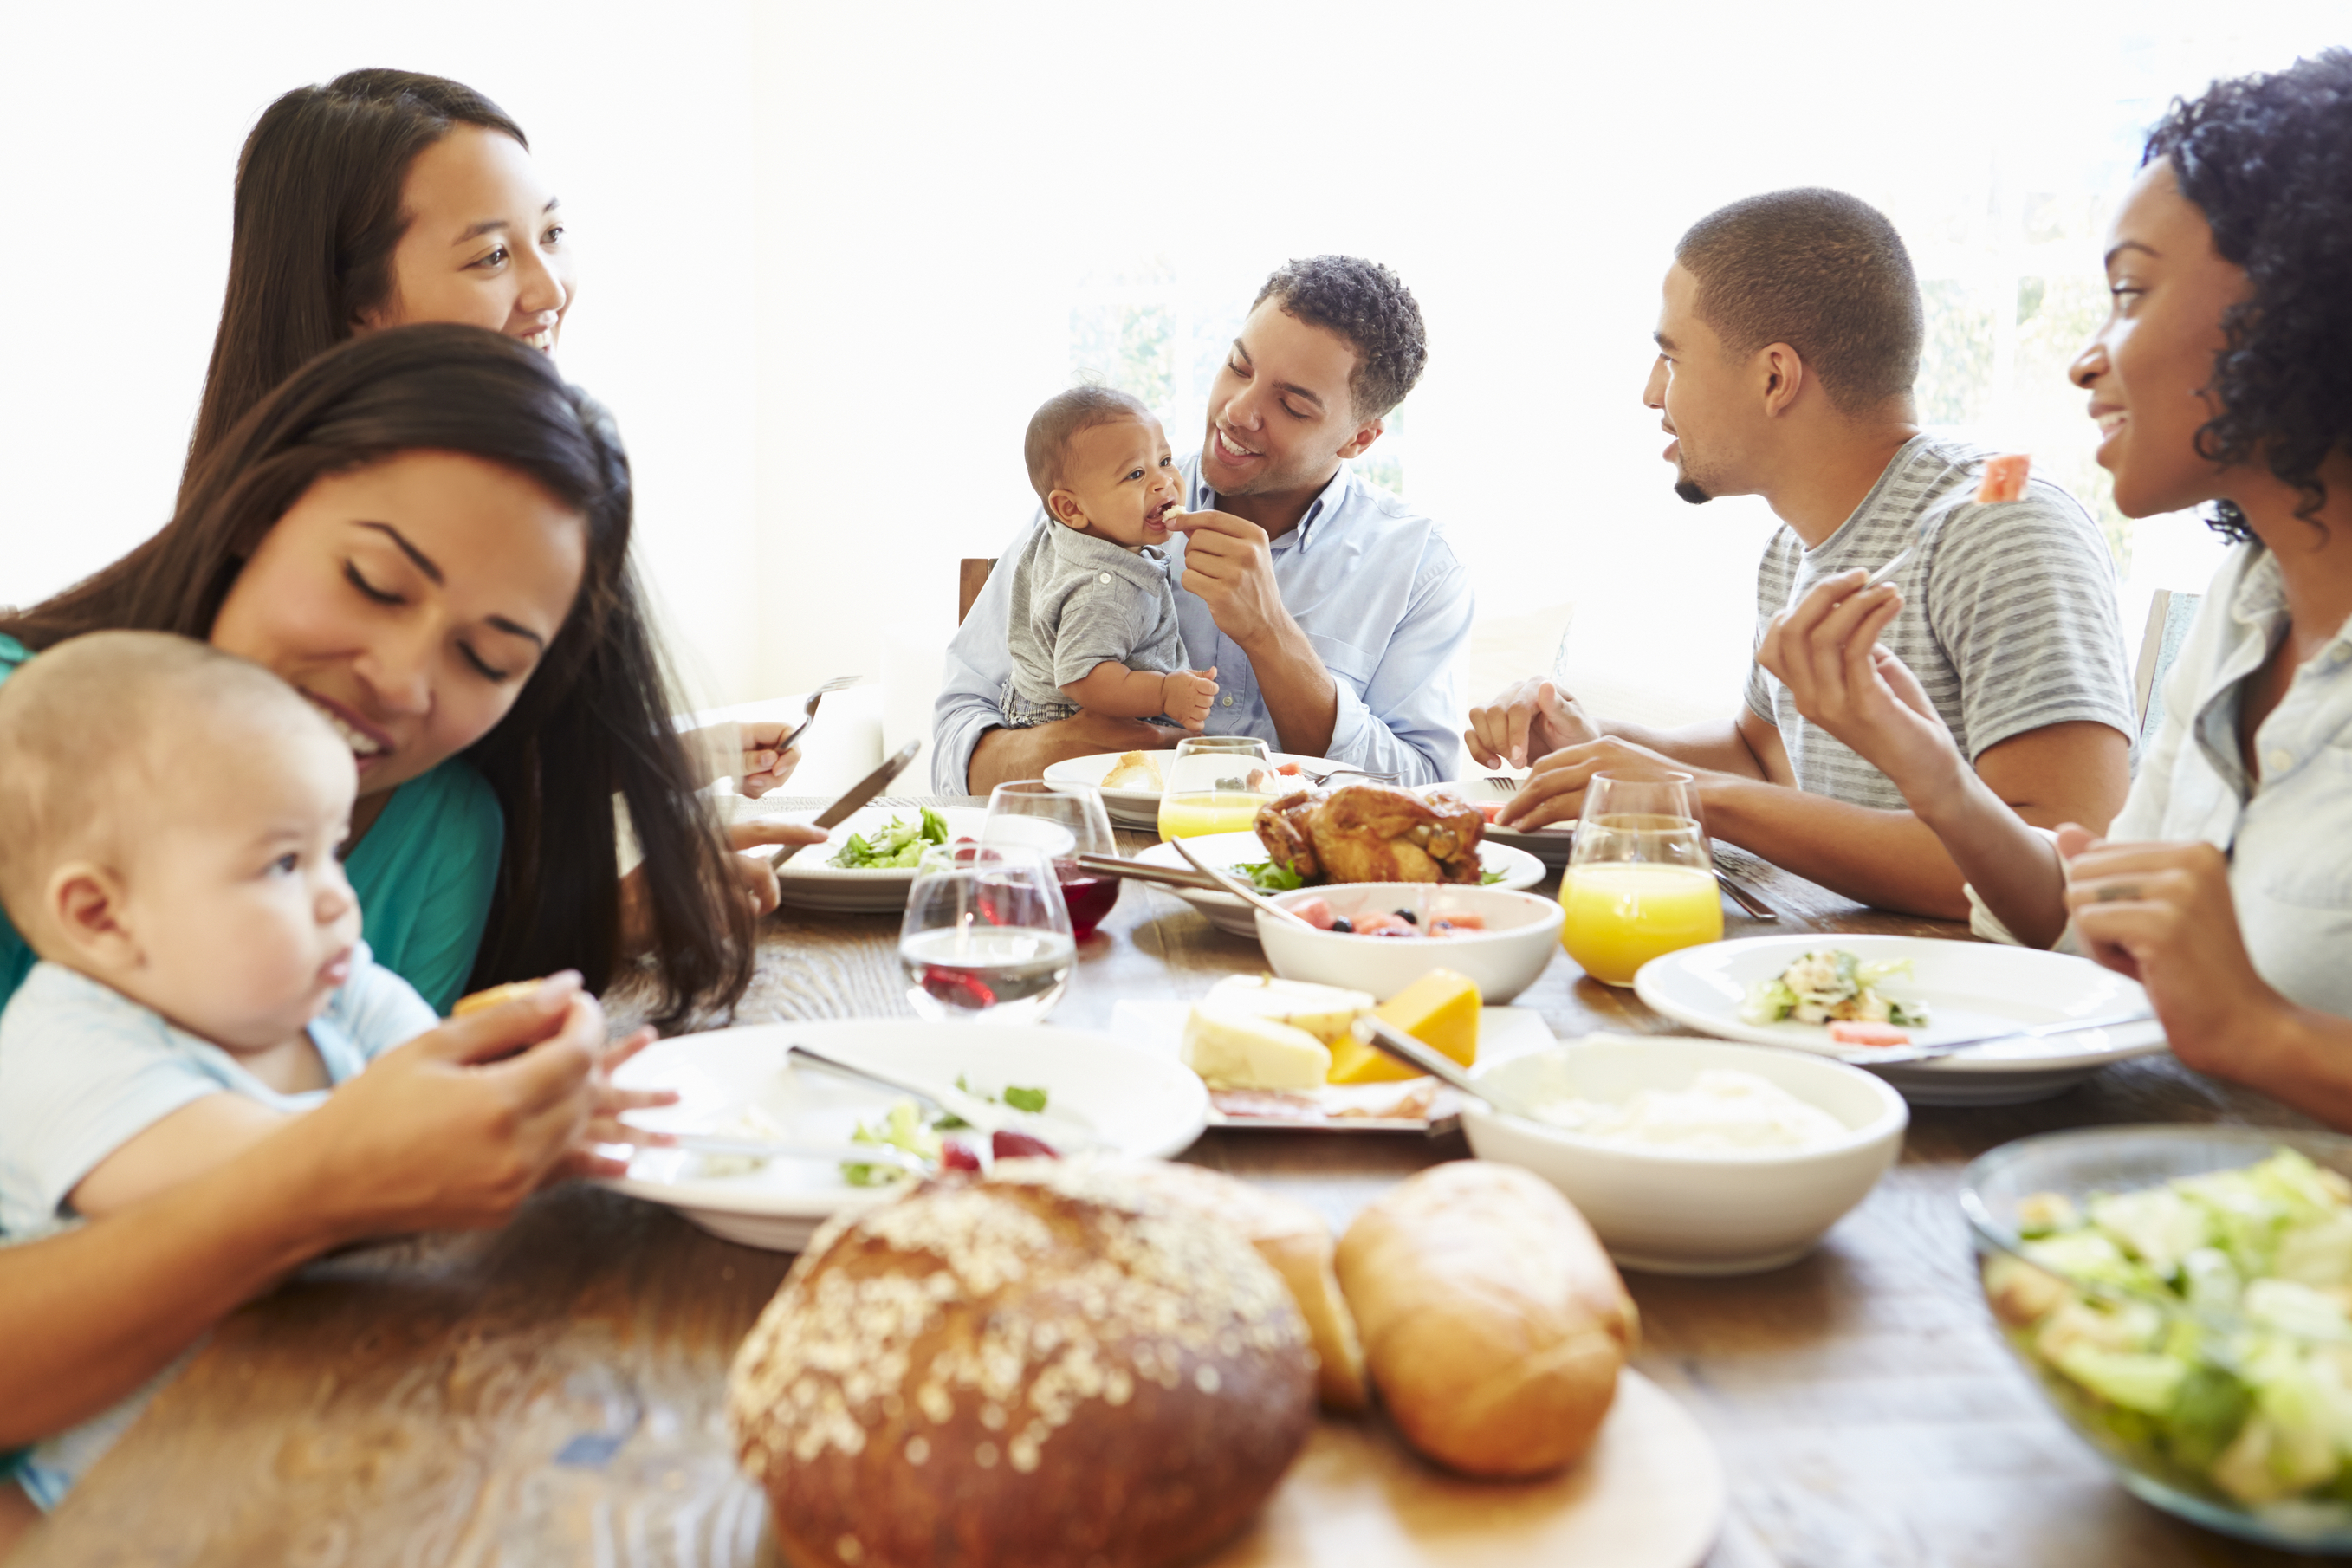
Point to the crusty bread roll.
(1134, 770)
(1295, 1240)
(1493, 1322)
(1047, 1368)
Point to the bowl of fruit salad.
(1382, 936)
(2183, 1297)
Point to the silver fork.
(1366, 776)
(838, 683)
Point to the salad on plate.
(1837, 988)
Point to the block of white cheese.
(1230, 1048)
(1325, 1012)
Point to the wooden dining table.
(552, 1392)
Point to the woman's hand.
(1526, 721)
(766, 764)
(2162, 913)
(1826, 653)
(1554, 792)
(606, 1103)
(458, 1126)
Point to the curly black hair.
(2268, 159)
(1370, 306)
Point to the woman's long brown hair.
(594, 720)
(318, 214)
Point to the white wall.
(831, 254)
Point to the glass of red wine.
(1062, 821)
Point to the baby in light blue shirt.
(169, 822)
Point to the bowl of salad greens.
(873, 857)
(2183, 1296)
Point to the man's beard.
(1692, 492)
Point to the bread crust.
(1296, 1242)
(1493, 1322)
(1042, 1369)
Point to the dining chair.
(2168, 617)
(972, 576)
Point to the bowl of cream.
(1693, 1156)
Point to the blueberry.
(1409, 917)
(1344, 926)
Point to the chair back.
(2168, 617)
(972, 576)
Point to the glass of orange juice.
(1215, 785)
(1641, 880)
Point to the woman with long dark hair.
(426, 532)
(388, 198)
(2222, 376)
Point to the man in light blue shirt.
(1335, 615)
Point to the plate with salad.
(868, 864)
(735, 1084)
(1848, 996)
(1242, 856)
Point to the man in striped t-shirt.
(1786, 346)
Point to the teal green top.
(423, 873)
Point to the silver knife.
(986, 1115)
(861, 792)
(1894, 1056)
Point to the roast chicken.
(1371, 833)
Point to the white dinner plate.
(1145, 1103)
(1520, 871)
(806, 881)
(1970, 987)
(1141, 807)
(1549, 845)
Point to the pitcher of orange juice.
(1641, 880)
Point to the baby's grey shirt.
(1079, 601)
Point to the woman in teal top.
(426, 533)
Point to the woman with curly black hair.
(2223, 375)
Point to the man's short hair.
(1370, 306)
(96, 723)
(1063, 415)
(1820, 271)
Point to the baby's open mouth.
(1158, 515)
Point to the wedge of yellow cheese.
(1439, 1009)
(1325, 1012)
(1234, 1049)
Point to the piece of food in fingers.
(496, 996)
(2004, 479)
(1493, 1322)
(1047, 1367)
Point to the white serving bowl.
(1675, 1212)
(1521, 936)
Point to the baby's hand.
(1185, 697)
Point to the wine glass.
(986, 935)
(1063, 821)
(1215, 785)
(1641, 879)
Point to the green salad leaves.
(897, 846)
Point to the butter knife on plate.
(861, 792)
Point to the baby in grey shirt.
(1093, 622)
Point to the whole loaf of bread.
(1047, 1368)
(1493, 1322)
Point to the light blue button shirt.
(2288, 833)
(1384, 603)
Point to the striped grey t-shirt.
(2009, 617)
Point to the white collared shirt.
(1383, 600)
(2288, 833)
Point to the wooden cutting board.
(1649, 1495)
